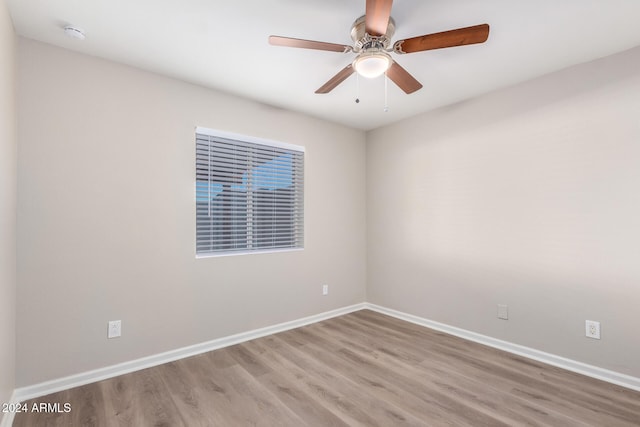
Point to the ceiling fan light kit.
(372, 34)
(372, 64)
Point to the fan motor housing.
(363, 40)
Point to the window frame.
(214, 133)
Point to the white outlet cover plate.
(503, 312)
(115, 329)
(592, 329)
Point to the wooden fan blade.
(307, 44)
(336, 80)
(377, 16)
(459, 37)
(403, 79)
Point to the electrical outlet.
(503, 312)
(592, 329)
(325, 289)
(115, 329)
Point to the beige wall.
(106, 217)
(528, 197)
(7, 207)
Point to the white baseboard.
(45, 388)
(551, 359)
(48, 387)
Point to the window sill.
(264, 251)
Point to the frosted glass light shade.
(372, 65)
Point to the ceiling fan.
(372, 34)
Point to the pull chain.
(386, 83)
(357, 88)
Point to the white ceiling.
(223, 45)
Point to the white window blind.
(249, 194)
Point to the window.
(249, 194)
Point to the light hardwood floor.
(361, 369)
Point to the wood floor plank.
(524, 377)
(150, 401)
(206, 374)
(235, 396)
(360, 369)
(196, 406)
(447, 381)
(404, 378)
(347, 401)
(285, 387)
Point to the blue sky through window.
(274, 174)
